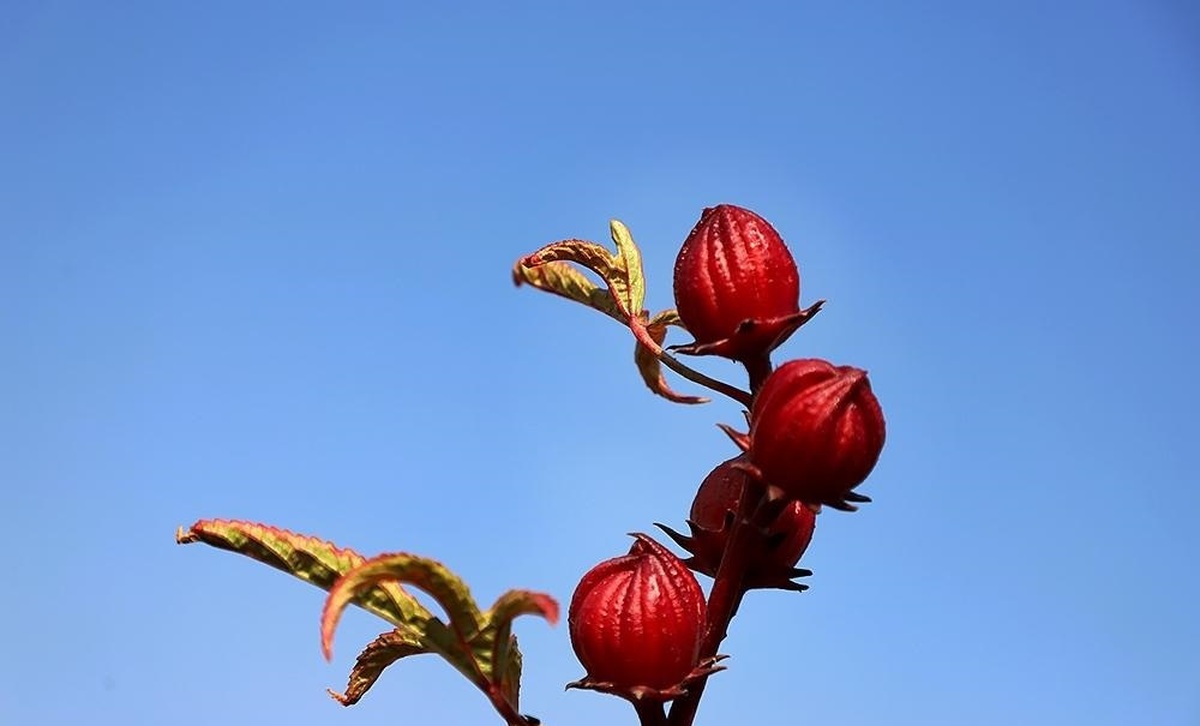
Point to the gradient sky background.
(254, 263)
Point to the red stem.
(758, 368)
(650, 713)
(504, 708)
(727, 589)
(725, 597)
(697, 377)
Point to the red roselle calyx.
(783, 541)
(737, 288)
(776, 546)
(816, 431)
(636, 623)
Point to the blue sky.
(254, 263)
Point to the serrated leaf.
(510, 674)
(313, 560)
(650, 366)
(516, 603)
(561, 279)
(468, 642)
(507, 608)
(380, 653)
(590, 255)
(429, 575)
(622, 272)
(670, 316)
(629, 260)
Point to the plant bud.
(816, 431)
(636, 621)
(737, 288)
(776, 551)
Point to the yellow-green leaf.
(429, 575)
(380, 653)
(507, 608)
(561, 279)
(313, 560)
(622, 272)
(629, 260)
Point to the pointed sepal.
(635, 694)
(775, 330)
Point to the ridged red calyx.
(816, 431)
(774, 549)
(636, 622)
(737, 288)
(785, 539)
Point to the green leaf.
(561, 279)
(621, 272)
(479, 645)
(515, 603)
(593, 257)
(507, 608)
(429, 575)
(668, 317)
(311, 559)
(650, 366)
(385, 650)
(510, 675)
(629, 261)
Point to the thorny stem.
(699, 378)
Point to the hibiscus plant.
(640, 624)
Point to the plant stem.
(504, 708)
(725, 597)
(699, 378)
(758, 369)
(650, 713)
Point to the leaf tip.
(549, 608)
(339, 697)
(330, 615)
(518, 276)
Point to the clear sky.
(254, 263)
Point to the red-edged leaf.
(429, 575)
(561, 279)
(507, 608)
(379, 654)
(311, 559)
(516, 603)
(622, 272)
(589, 255)
(649, 365)
(510, 674)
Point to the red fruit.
(737, 288)
(816, 431)
(779, 548)
(636, 621)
